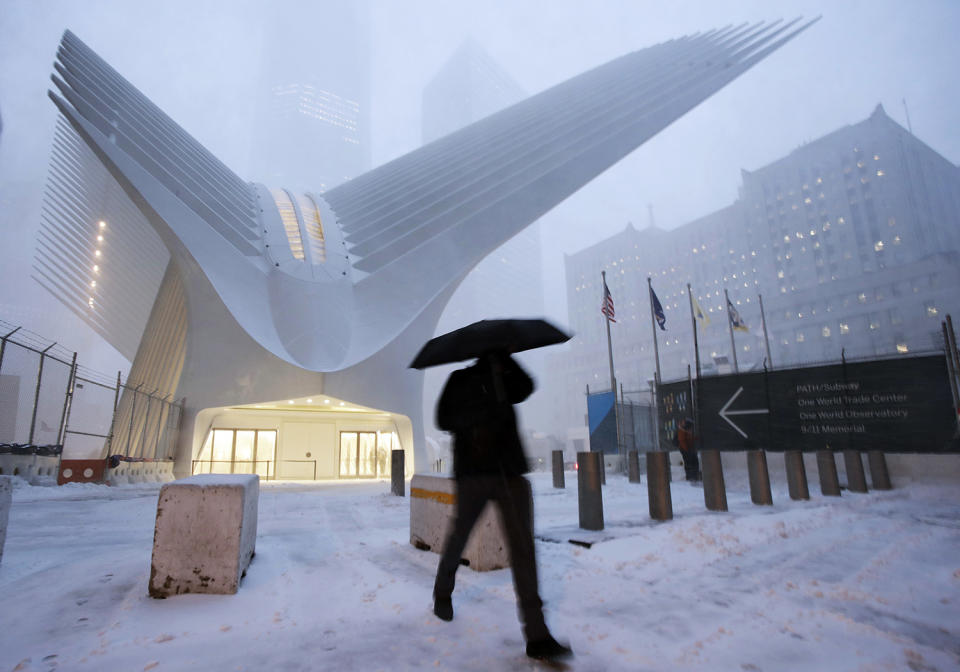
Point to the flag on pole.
(699, 312)
(607, 307)
(657, 309)
(735, 320)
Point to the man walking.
(476, 406)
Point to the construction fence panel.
(91, 412)
(31, 396)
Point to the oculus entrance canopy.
(299, 293)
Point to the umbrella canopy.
(513, 335)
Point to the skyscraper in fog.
(508, 283)
(468, 87)
(313, 95)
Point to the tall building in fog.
(853, 241)
(469, 87)
(313, 95)
(508, 283)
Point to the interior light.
(100, 238)
(309, 401)
(96, 268)
(341, 403)
(97, 253)
(326, 401)
(290, 402)
(102, 224)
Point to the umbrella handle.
(496, 372)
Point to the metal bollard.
(714, 489)
(397, 475)
(796, 474)
(589, 491)
(658, 485)
(827, 468)
(856, 479)
(6, 494)
(759, 477)
(558, 477)
(633, 466)
(879, 475)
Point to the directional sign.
(734, 411)
(893, 405)
(726, 412)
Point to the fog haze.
(199, 62)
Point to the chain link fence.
(51, 405)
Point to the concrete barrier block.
(433, 501)
(166, 472)
(205, 534)
(6, 496)
(24, 466)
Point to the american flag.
(607, 307)
(657, 310)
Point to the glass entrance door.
(349, 442)
(238, 451)
(368, 455)
(358, 454)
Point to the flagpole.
(766, 340)
(653, 326)
(613, 379)
(733, 347)
(693, 321)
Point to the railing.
(231, 468)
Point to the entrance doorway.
(238, 451)
(365, 454)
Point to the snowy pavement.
(861, 582)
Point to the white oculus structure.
(230, 294)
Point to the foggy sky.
(199, 62)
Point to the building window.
(288, 215)
(844, 328)
(366, 454)
(238, 451)
(314, 228)
(931, 309)
(826, 332)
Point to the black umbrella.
(514, 335)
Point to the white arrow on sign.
(724, 413)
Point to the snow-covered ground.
(861, 582)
